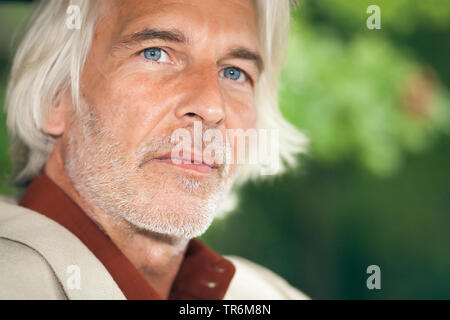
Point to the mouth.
(194, 162)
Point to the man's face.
(154, 67)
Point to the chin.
(186, 220)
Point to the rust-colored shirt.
(203, 274)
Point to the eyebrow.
(170, 35)
(247, 54)
(177, 36)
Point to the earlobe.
(55, 120)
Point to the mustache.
(157, 147)
(152, 148)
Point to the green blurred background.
(375, 186)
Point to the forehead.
(200, 20)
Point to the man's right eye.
(155, 54)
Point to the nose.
(203, 100)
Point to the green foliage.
(5, 163)
(400, 16)
(351, 97)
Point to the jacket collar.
(203, 274)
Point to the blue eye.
(152, 54)
(155, 54)
(232, 73)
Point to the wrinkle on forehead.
(136, 12)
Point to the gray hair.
(50, 59)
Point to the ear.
(55, 121)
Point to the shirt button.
(219, 269)
(210, 284)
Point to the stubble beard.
(159, 200)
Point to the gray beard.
(104, 177)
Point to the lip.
(188, 164)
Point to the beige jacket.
(36, 254)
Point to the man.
(97, 91)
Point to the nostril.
(191, 114)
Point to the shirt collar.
(203, 273)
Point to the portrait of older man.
(91, 108)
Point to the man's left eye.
(234, 74)
(155, 54)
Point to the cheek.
(131, 104)
(250, 120)
(243, 117)
(241, 113)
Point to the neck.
(158, 257)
